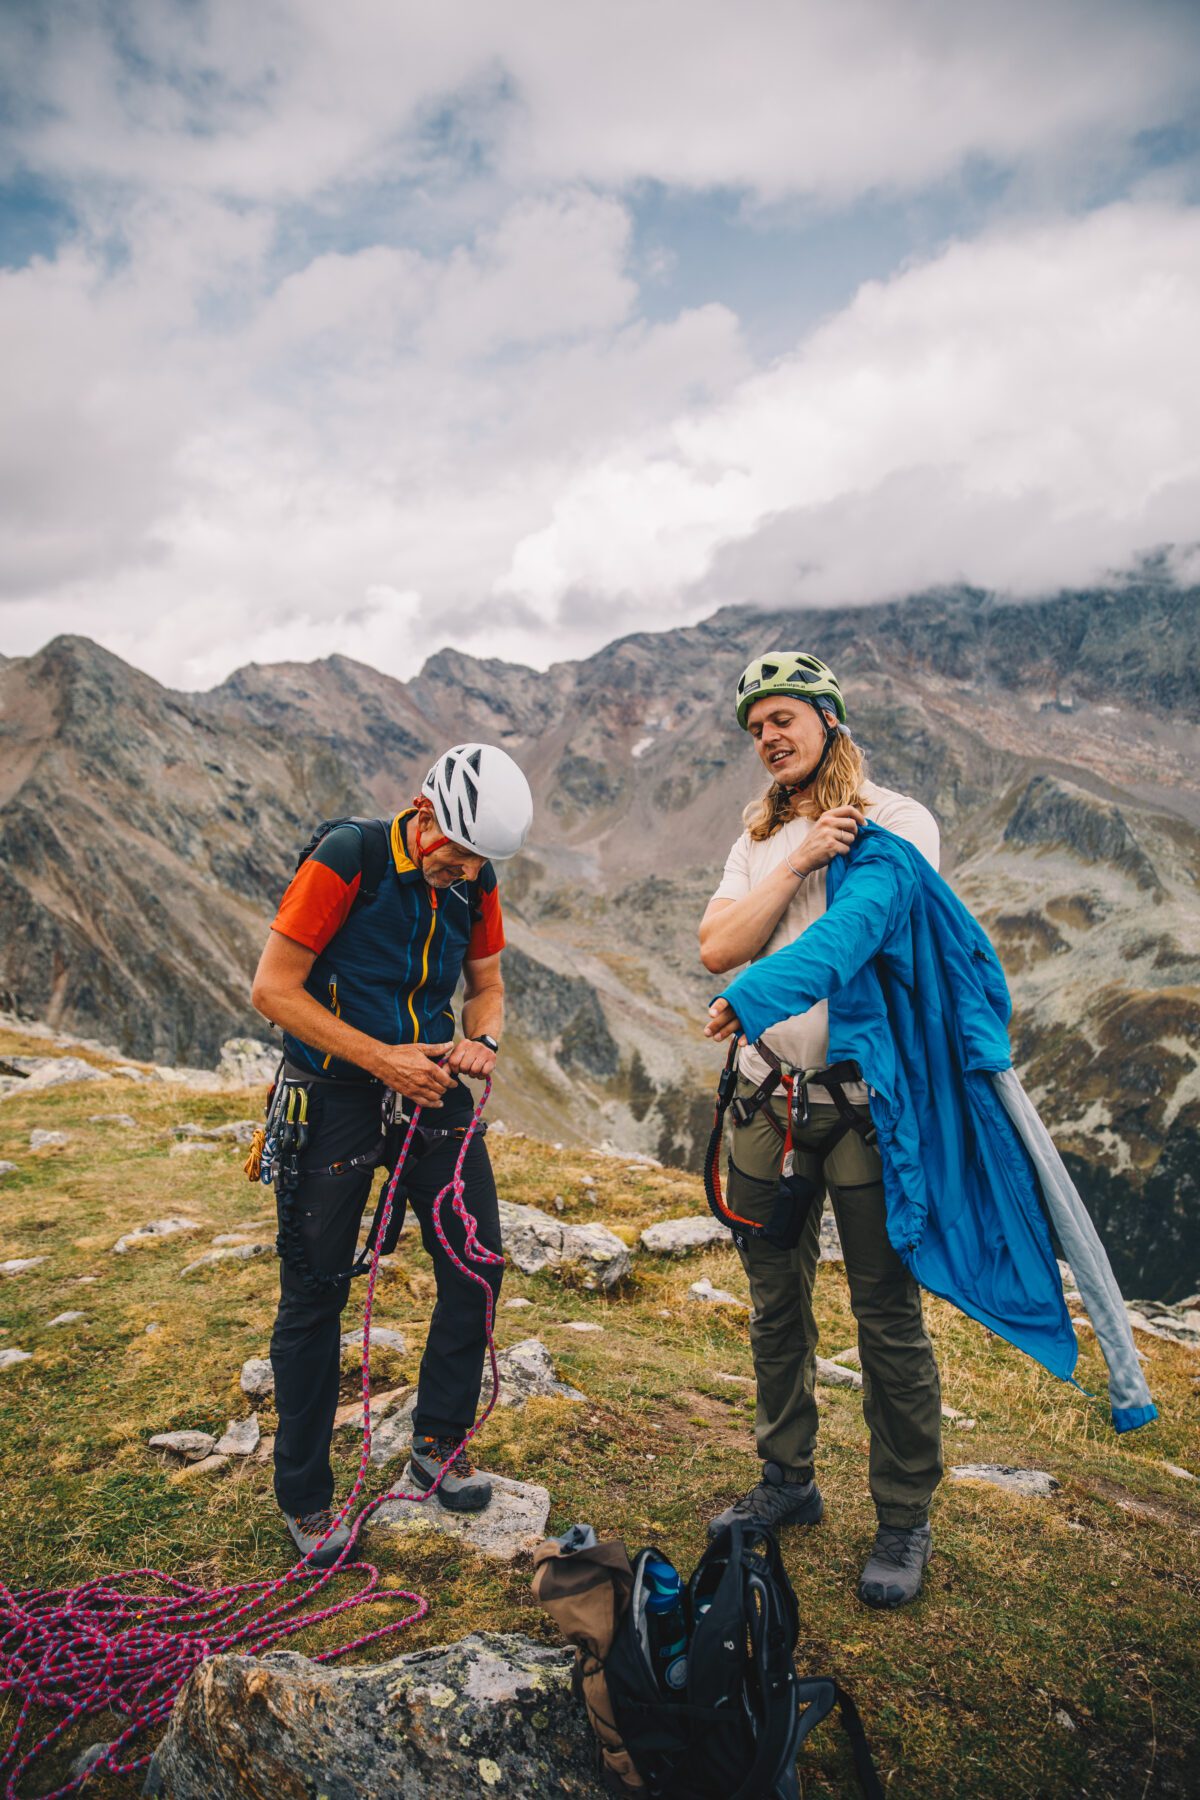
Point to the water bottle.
(665, 1624)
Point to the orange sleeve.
(487, 934)
(316, 905)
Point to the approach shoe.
(896, 1565)
(464, 1489)
(774, 1502)
(308, 1529)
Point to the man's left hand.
(470, 1058)
(722, 1021)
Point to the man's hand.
(832, 835)
(410, 1070)
(470, 1058)
(722, 1021)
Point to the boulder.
(157, 1228)
(527, 1373)
(513, 1521)
(10, 1358)
(232, 1253)
(247, 1062)
(67, 1318)
(125, 1120)
(8, 1168)
(704, 1290)
(37, 1073)
(676, 1237)
(493, 1714)
(48, 1140)
(240, 1438)
(257, 1378)
(533, 1240)
(392, 1438)
(20, 1265)
(382, 1338)
(580, 1325)
(185, 1446)
(832, 1374)
(516, 1303)
(1033, 1482)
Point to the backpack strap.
(818, 1696)
(377, 854)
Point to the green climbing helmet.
(788, 672)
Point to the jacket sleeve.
(873, 894)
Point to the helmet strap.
(831, 733)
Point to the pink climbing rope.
(102, 1648)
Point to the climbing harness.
(288, 1134)
(797, 1191)
(104, 1649)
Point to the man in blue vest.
(359, 971)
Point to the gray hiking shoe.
(307, 1531)
(774, 1502)
(464, 1488)
(896, 1566)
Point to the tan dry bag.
(585, 1587)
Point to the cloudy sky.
(375, 326)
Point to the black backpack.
(376, 835)
(735, 1730)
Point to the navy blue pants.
(328, 1210)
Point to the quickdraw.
(796, 1192)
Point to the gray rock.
(676, 1237)
(1035, 1483)
(257, 1378)
(831, 1243)
(241, 1437)
(230, 1237)
(516, 1304)
(8, 1168)
(534, 1241)
(392, 1438)
(129, 1124)
(238, 1131)
(513, 1521)
(152, 1327)
(580, 1325)
(129, 1072)
(704, 1290)
(20, 1265)
(1179, 1474)
(10, 1358)
(87, 1758)
(493, 1714)
(157, 1228)
(67, 1318)
(234, 1253)
(245, 1062)
(48, 1140)
(185, 1446)
(527, 1373)
(832, 1374)
(382, 1338)
(41, 1072)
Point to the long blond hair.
(840, 783)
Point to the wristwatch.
(489, 1043)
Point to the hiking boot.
(464, 1488)
(774, 1502)
(307, 1531)
(896, 1565)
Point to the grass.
(1080, 1608)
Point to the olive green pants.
(901, 1392)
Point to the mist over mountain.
(145, 836)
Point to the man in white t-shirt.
(772, 889)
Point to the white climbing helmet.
(480, 799)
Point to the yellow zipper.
(424, 965)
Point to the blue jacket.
(917, 998)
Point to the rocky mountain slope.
(145, 835)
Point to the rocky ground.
(1054, 1652)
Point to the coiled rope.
(102, 1648)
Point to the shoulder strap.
(377, 850)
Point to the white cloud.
(1021, 410)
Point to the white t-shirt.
(803, 1040)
